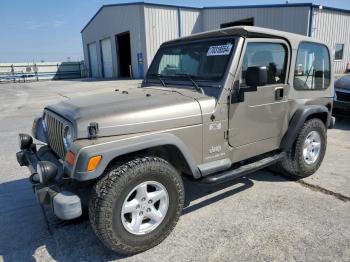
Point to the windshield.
(202, 61)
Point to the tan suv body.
(214, 106)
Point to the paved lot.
(262, 217)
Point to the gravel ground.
(261, 217)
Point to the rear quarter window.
(312, 69)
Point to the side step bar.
(243, 170)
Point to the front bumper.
(341, 107)
(64, 203)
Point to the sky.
(48, 30)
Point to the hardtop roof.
(250, 32)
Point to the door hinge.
(93, 130)
(226, 135)
(229, 100)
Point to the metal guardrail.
(19, 72)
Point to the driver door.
(257, 119)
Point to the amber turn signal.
(70, 158)
(93, 163)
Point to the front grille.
(342, 96)
(55, 135)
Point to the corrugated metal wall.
(111, 21)
(150, 25)
(167, 23)
(191, 21)
(290, 19)
(161, 24)
(333, 27)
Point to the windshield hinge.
(93, 130)
(229, 99)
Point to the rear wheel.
(308, 151)
(137, 204)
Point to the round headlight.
(46, 171)
(67, 137)
(25, 141)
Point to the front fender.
(119, 147)
(298, 121)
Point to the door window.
(312, 70)
(271, 55)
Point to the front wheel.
(308, 151)
(136, 205)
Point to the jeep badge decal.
(215, 126)
(214, 149)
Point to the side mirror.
(256, 76)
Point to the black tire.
(294, 165)
(110, 192)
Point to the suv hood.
(134, 111)
(343, 83)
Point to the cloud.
(30, 25)
(57, 23)
(33, 25)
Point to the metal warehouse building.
(120, 40)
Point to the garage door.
(93, 59)
(106, 50)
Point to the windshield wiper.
(159, 76)
(190, 77)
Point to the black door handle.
(279, 93)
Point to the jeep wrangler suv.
(213, 106)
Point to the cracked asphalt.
(261, 217)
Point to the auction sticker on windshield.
(219, 50)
